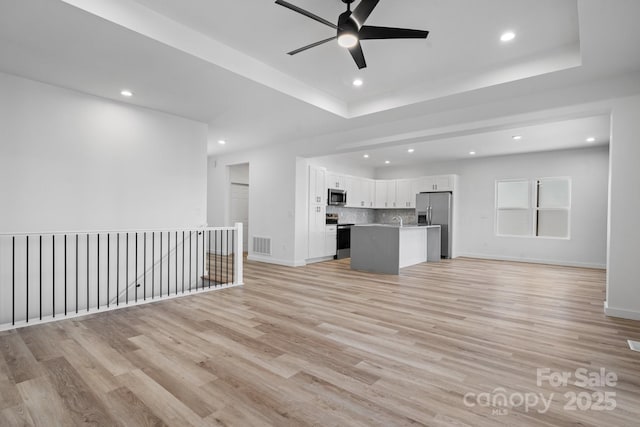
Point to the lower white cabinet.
(317, 225)
(331, 240)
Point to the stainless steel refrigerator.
(437, 209)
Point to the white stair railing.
(52, 276)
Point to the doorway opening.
(239, 199)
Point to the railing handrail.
(132, 231)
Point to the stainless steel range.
(344, 241)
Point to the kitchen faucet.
(397, 218)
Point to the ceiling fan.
(351, 29)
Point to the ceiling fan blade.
(302, 49)
(372, 33)
(307, 14)
(358, 56)
(364, 9)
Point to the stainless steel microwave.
(337, 197)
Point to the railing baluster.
(190, 232)
(76, 273)
(53, 240)
(98, 272)
(40, 273)
(135, 282)
(65, 274)
(88, 271)
(108, 266)
(161, 264)
(197, 256)
(226, 277)
(176, 263)
(13, 280)
(233, 255)
(204, 237)
(118, 269)
(144, 268)
(183, 261)
(215, 264)
(126, 272)
(153, 264)
(27, 308)
(209, 260)
(168, 263)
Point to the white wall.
(623, 273)
(272, 198)
(342, 166)
(475, 228)
(70, 161)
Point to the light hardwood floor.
(322, 345)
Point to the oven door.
(344, 242)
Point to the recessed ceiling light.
(126, 92)
(386, 162)
(517, 137)
(472, 153)
(410, 150)
(366, 156)
(508, 36)
(222, 141)
(357, 82)
(591, 139)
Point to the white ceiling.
(224, 62)
(543, 137)
(464, 36)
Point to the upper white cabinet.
(336, 181)
(405, 197)
(434, 183)
(317, 186)
(360, 192)
(385, 194)
(380, 193)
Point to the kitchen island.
(386, 248)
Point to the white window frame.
(533, 208)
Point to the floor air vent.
(262, 245)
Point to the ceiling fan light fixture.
(507, 36)
(347, 40)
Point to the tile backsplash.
(353, 215)
(371, 216)
(384, 216)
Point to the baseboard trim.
(534, 260)
(620, 312)
(276, 261)
(315, 260)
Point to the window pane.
(514, 222)
(553, 223)
(513, 194)
(553, 193)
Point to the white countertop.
(397, 225)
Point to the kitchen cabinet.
(317, 226)
(427, 184)
(385, 194)
(405, 197)
(317, 186)
(369, 192)
(336, 181)
(317, 211)
(330, 240)
(360, 192)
